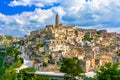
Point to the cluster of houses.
(50, 45)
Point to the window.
(53, 42)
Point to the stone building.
(62, 36)
(60, 41)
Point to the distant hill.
(7, 40)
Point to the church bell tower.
(57, 20)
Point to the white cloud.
(101, 14)
(25, 22)
(92, 12)
(38, 3)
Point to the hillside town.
(47, 47)
(59, 40)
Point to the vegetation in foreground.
(7, 67)
(108, 72)
(24, 74)
(72, 68)
(9, 59)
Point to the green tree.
(30, 69)
(13, 52)
(41, 44)
(110, 71)
(24, 74)
(98, 32)
(72, 67)
(87, 38)
(9, 74)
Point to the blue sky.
(19, 17)
(8, 10)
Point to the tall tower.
(57, 20)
